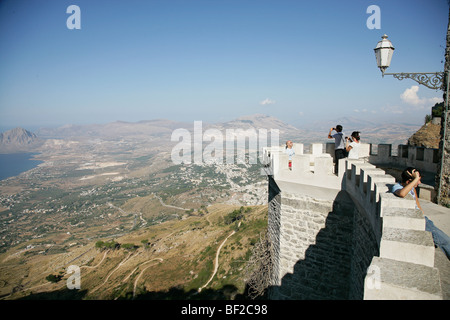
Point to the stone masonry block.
(323, 165)
(300, 164)
(316, 148)
(407, 245)
(389, 279)
(390, 200)
(404, 218)
(356, 168)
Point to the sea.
(14, 164)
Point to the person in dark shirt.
(339, 145)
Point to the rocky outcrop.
(18, 140)
(428, 136)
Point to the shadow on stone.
(334, 266)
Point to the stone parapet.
(347, 230)
(346, 236)
(399, 229)
(424, 159)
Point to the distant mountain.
(162, 127)
(160, 130)
(260, 121)
(18, 140)
(371, 132)
(113, 130)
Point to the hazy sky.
(214, 60)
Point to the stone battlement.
(346, 236)
(424, 159)
(399, 230)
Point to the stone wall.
(443, 175)
(424, 159)
(274, 227)
(364, 247)
(313, 245)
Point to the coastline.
(14, 164)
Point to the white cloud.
(267, 101)
(409, 96)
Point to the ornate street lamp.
(383, 53)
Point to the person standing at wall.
(290, 152)
(352, 145)
(339, 145)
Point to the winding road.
(216, 260)
(140, 274)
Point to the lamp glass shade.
(383, 53)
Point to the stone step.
(407, 245)
(389, 279)
(404, 218)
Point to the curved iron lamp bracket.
(432, 80)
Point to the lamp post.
(433, 80)
(383, 53)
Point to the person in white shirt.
(352, 145)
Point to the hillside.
(427, 136)
(171, 260)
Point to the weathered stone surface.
(402, 280)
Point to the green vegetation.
(107, 245)
(53, 278)
(129, 246)
(236, 215)
(436, 111)
(113, 245)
